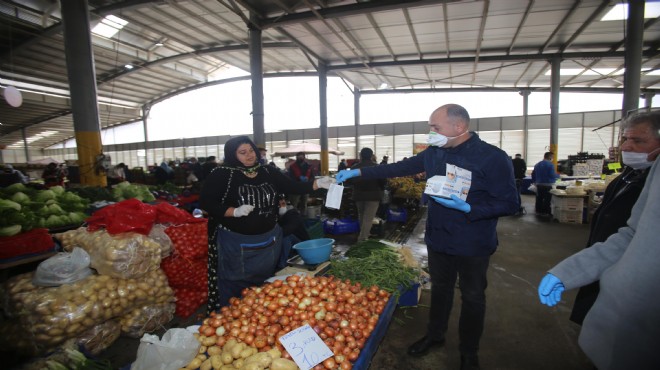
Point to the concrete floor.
(520, 333)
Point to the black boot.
(422, 346)
(470, 362)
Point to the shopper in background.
(117, 174)
(10, 176)
(622, 329)
(209, 165)
(241, 198)
(385, 159)
(196, 168)
(640, 139)
(300, 171)
(342, 165)
(367, 194)
(263, 152)
(544, 176)
(519, 172)
(460, 235)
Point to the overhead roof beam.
(346, 10)
(489, 58)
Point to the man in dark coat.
(641, 135)
(519, 171)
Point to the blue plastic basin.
(315, 251)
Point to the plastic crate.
(567, 216)
(341, 226)
(568, 203)
(410, 297)
(399, 215)
(314, 229)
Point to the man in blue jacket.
(543, 176)
(460, 235)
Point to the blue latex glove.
(550, 290)
(344, 175)
(454, 203)
(303, 178)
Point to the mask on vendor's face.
(282, 211)
(637, 161)
(440, 140)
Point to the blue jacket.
(544, 173)
(492, 194)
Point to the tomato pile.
(190, 240)
(342, 313)
(186, 268)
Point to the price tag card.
(305, 347)
(614, 165)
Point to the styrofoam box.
(568, 203)
(567, 216)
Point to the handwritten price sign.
(305, 347)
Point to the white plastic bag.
(63, 268)
(333, 199)
(177, 348)
(532, 188)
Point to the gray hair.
(652, 118)
(458, 112)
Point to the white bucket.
(313, 212)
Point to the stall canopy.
(307, 148)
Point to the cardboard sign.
(305, 347)
(614, 166)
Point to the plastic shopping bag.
(63, 268)
(177, 348)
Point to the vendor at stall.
(52, 175)
(245, 241)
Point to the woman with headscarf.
(245, 241)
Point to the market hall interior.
(520, 333)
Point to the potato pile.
(146, 319)
(126, 255)
(237, 355)
(51, 315)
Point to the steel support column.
(257, 76)
(525, 95)
(82, 83)
(323, 112)
(633, 56)
(357, 94)
(554, 108)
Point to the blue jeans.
(471, 272)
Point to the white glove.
(325, 182)
(243, 210)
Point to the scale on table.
(298, 263)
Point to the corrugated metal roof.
(177, 45)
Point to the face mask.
(282, 210)
(637, 161)
(440, 140)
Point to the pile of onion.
(341, 313)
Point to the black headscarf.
(231, 146)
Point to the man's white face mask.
(637, 161)
(440, 140)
